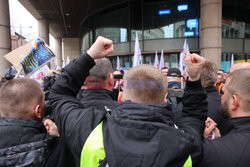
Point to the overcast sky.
(20, 17)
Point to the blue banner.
(38, 55)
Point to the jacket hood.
(160, 113)
(144, 135)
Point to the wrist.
(90, 53)
(193, 84)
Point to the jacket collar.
(10, 121)
(241, 123)
(144, 112)
(211, 89)
(97, 94)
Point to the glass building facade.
(235, 33)
(157, 21)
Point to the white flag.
(232, 60)
(39, 74)
(63, 65)
(67, 62)
(182, 65)
(162, 60)
(137, 55)
(118, 67)
(156, 63)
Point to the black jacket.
(24, 143)
(231, 150)
(214, 105)
(98, 98)
(144, 135)
(147, 134)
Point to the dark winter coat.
(231, 150)
(24, 143)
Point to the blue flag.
(38, 55)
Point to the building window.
(226, 60)
(236, 19)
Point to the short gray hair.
(102, 69)
(208, 74)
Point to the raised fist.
(194, 65)
(101, 48)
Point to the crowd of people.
(97, 117)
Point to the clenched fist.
(101, 48)
(194, 65)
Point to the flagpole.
(19, 72)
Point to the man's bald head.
(239, 66)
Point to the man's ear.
(165, 98)
(111, 80)
(38, 112)
(235, 102)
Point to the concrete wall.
(5, 39)
(71, 48)
(232, 45)
(171, 45)
(247, 46)
(121, 48)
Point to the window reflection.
(233, 29)
(117, 35)
(226, 60)
(125, 61)
(85, 42)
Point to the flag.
(38, 55)
(39, 74)
(156, 63)
(162, 60)
(137, 55)
(232, 60)
(58, 68)
(182, 65)
(63, 65)
(67, 62)
(118, 67)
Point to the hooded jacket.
(144, 135)
(24, 143)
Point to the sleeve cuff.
(86, 58)
(193, 84)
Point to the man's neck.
(240, 113)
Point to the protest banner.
(30, 57)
